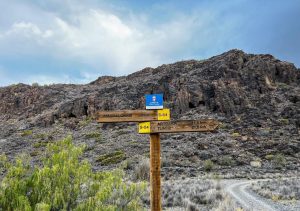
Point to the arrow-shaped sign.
(133, 115)
(203, 125)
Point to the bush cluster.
(26, 133)
(111, 158)
(208, 165)
(279, 189)
(63, 182)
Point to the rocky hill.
(256, 97)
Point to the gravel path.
(239, 190)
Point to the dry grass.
(279, 189)
(141, 172)
(195, 194)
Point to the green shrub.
(41, 136)
(111, 158)
(279, 160)
(26, 133)
(85, 122)
(95, 135)
(227, 160)
(63, 182)
(208, 165)
(235, 134)
(223, 126)
(40, 144)
(34, 153)
(269, 157)
(284, 121)
(283, 85)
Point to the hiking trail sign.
(133, 115)
(154, 122)
(154, 101)
(178, 126)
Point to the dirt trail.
(246, 199)
(249, 200)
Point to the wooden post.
(155, 183)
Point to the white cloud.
(48, 79)
(105, 42)
(99, 39)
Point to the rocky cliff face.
(247, 92)
(230, 84)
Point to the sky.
(75, 41)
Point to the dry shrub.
(142, 171)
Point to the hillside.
(255, 97)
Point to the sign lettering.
(133, 116)
(204, 125)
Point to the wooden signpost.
(133, 115)
(154, 122)
(178, 126)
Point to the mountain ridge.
(221, 70)
(255, 97)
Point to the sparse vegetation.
(278, 189)
(94, 135)
(142, 171)
(85, 122)
(279, 160)
(195, 194)
(208, 165)
(63, 182)
(41, 136)
(34, 153)
(26, 133)
(236, 134)
(40, 144)
(111, 158)
(227, 160)
(284, 121)
(282, 85)
(223, 126)
(269, 157)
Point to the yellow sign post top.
(144, 127)
(163, 115)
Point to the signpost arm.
(155, 182)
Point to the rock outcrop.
(256, 97)
(231, 83)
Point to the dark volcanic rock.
(256, 97)
(231, 83)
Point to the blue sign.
(154, 101)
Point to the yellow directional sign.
(133, 115)
(203, 125)
(163, 114)
(144, 127)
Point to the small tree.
(63, 182)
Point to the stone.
(255, 163)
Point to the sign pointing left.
(133, 116)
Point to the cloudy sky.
(70, 41)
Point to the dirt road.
(239, 190)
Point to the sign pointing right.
(203, 125)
